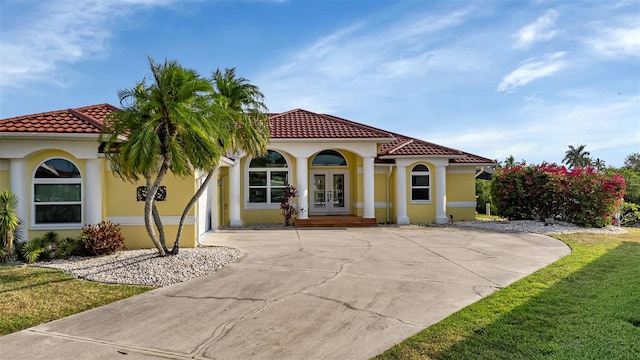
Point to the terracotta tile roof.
(405, 145)
(471, 159)
(84, 120)
(303, 124)
(294, 124)
(408, 146)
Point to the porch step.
(336, 221)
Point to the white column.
(234, 194)
(441, 195)
(368, 187)
(93, 179)
(302, 185)
(19, 182)
(213, 196)
(401, 195)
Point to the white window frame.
(268, 205)
(37, 181)
(330, 166)
(428, 187)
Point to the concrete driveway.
(306, 294)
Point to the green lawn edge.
(31, 296)
(583, 306)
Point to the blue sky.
(494, 78)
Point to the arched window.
(268, 176)
(420, 183)
(57, 193)
(329, 158)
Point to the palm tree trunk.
(157, 220)
(149, 203)
(192, 202)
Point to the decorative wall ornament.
(141, 193)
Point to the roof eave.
(377, 140)
(421, 156)
(42, 135)
(472, 164)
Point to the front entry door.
(330, 192)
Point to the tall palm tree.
(577, 157)
(245, 123)
(9, 222)
(167, 127)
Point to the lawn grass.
(584, 306)
(31, 296)
(488, 217)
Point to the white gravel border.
(145, 267)
(537, 227)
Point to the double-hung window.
(57, 194)
(420, 183)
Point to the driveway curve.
(301, 294)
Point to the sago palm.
(9, 222)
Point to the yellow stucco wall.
(136, 236)
(121, 196)
(120, 201)
(462, 214)
(380, 191)
(461, 187)
(62, 234)
(4, 180)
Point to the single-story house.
(52, 161)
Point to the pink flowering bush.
(581, 195)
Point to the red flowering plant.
(582, 195)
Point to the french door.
(329, 192)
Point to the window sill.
(76, 226)
(421, 202)
(251, 206)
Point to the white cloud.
(531, 70)
(362, 60)
(617, 42)
(542, 29)
(543, 134)
(59, 33)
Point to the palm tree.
(245, 124)
(168, 129)
(599, 164)
(577, 157)
(9, 222)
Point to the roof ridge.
(286, 112)
(428, 143)
(90, 119)
(399, 146)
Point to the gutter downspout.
(386, 205)
(221, 185)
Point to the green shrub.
(103, 238)
(630, 214)
(483, 196)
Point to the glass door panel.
(319, 192)
(338, 191)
